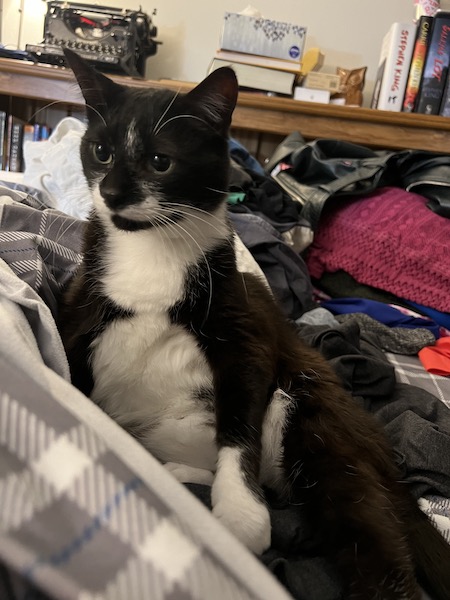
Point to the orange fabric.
(436, 359)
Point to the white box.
(265, 37)
(311, 95)
(323, 81)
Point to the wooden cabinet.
(259, 122)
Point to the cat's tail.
(339, 468)
(431, 553)
(339, 465)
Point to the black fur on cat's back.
(334, 458)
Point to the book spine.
(444, 109)
(7, 147)
(3, 120)
(398, 59)
(44, 132)
(28, 133)
(421, 45)
(27, 136)
(377, 87)
(37, 132)
(15, 153)
(436, 68)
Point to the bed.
(86, 512)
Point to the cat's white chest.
(144, 272)
(150, 374)
(152, 378)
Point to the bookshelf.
(259, 122)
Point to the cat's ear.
(217, 96)
(97, 89)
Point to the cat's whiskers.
(66, 225)
(211, 189)
(244, 285)
(180, 230)
(228, 239)
(98, 113)
(42, 108)
(161, 231)
(208, 288)
(176, 117)
(158, 122)
(186, 211)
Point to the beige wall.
(349, 32)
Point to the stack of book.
(14, 132)
(263, 61)
(254, 72)
(413, 71)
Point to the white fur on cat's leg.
(234, 504)
(187, 474)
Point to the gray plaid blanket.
(85, 512)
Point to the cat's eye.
(160, 162)
(102, 153)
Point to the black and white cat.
(195, 359)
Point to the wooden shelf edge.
(254, 112)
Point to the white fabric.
(54, 166)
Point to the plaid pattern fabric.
(80, 524)
(42, 245)
(410, 370)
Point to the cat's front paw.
(247, 518)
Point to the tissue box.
(254, 35)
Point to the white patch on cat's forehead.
(132, 136)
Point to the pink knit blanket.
(389, 240)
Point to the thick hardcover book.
(7, 146)
(259, 78)
(293, 66)
(393, 66)
(421, 45)
(3, 126)
(436, 66)
(15, 151)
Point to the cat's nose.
(115, 194)
(114, 198)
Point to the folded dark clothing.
(400, 340)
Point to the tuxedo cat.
(195, 359)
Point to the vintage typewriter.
(115, 40)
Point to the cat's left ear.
(98, 91)
(217, 97)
